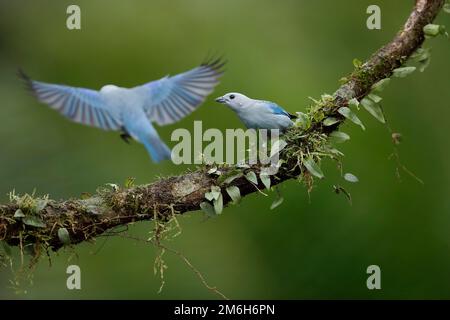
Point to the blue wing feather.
(78, 104)
(276, 109)
(172, 98)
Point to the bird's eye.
(232, 97)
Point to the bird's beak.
(220, 100)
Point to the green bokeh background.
(282, 51)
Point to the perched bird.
(258, 114)
(132, 110)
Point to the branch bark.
(87, 218)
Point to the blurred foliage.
(280, 51)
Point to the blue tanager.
(258, 114)
(132, 110)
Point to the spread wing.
(78, 104)
(170, 99)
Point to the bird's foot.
(125, 137)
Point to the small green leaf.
(403, 72)
(234, 193)
(339, 136)
(215, 192)
(350, 177)
(374, 109)
(447, 7)
(330, 121)
(424, 64)
(432, 30)
(33, 221)
(313, 167)
(357, 63)
(129, 182)
(327, 97)
(421, 55)
(380, 85)
(218, 204)
(335, 152)
(374, 97)
(19, 214)
(318, 115)
(209, 196)
(343, 80)
(265, 179)
(232, 178)
(303, 121)
(40, 205)
(349, 114)
(251, 176)
(279, 200)
(207, 208)
(353, 103)
(212, 170)
(64, 236)
(229, 176)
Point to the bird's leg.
(125, 135)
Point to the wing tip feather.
(26, 80)
(215, 63)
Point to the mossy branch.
(84, 219)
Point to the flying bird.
(132, 110)
(258, 114)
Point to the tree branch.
(84, 219)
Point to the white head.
(108, 88)
(235, 100)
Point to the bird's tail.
(157, 149)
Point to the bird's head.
(108, 88)
(234, 100)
